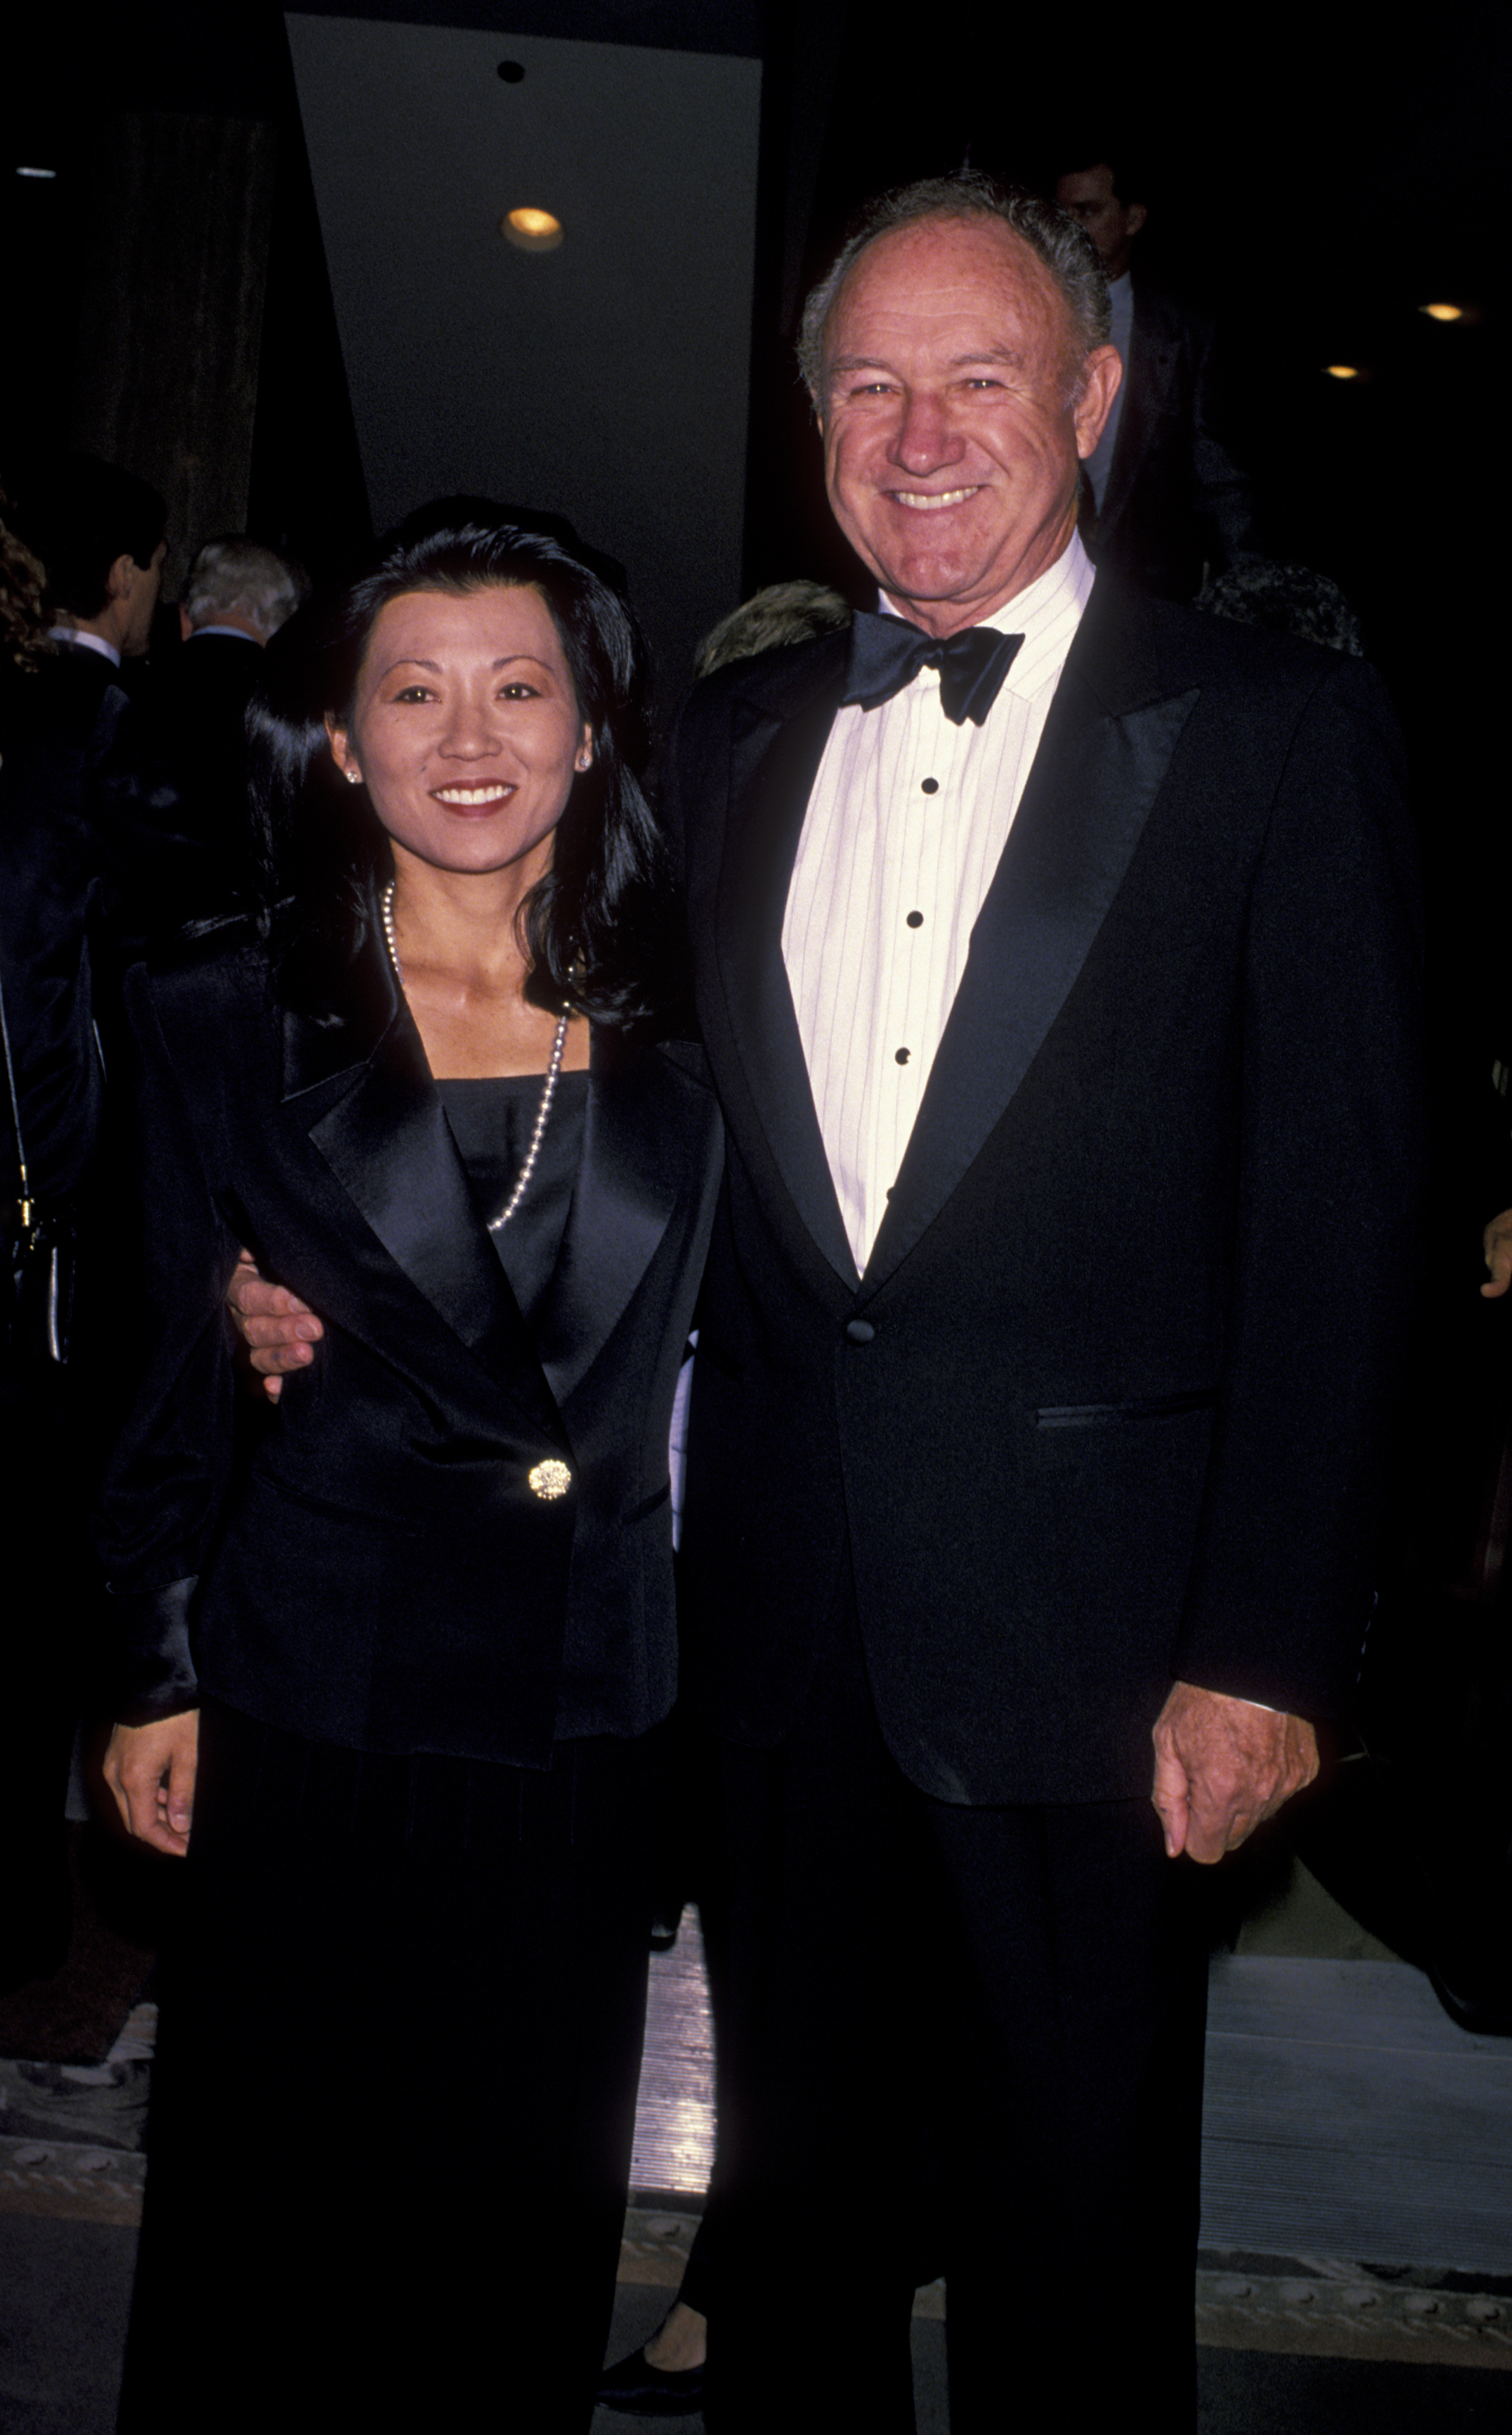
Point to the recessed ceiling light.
(1443, 312)
(1342, 371)
(532, 229)
(36, 173)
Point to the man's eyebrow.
(1012, 357)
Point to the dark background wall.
(169, 301)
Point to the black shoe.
(642, 2391)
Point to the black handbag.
(39, 1255)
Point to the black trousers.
(395, 2091)
(972, 2036)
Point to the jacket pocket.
(1101, 1416)
(651, 1505)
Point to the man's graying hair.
(1060, 242)
(235, 577)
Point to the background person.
(238, 596)
(770, 620)
(48, 911)
(403, 1669)
(99, 534)
(1170, 503)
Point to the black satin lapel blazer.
(1090, 1419)
(441, 1511)
(1112, 731)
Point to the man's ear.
(1102, 374)
(121, 581)
(1135, 216)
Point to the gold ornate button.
(550, 1479)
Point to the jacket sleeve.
(168, 1473)
(1327, 1249)
(49, 896)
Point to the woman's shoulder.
(215, 975)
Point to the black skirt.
(395, 2089)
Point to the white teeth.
(934, 498)
(467, 796)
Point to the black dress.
(395, 2090)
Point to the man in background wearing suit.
(236, 597)
(1170, 504)
(1052, 954)
(101, 534)
(81, 737)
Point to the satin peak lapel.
(773, 764)
(1094, 780)
(381, 1129)
(635, 1151)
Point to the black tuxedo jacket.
(379, 1573)
(1106, 1407)
(1175, 500)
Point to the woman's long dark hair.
(599, 929)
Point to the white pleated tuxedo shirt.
(906, 825)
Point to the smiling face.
(955, 409)
(466, 728)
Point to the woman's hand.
(151, 1769)
(278, 1330)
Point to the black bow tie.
(887, 653)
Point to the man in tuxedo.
(1053, 954)
(1164, 499)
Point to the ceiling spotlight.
(532, 231)
(1342, 371)
(1443, 312)
(36, 173)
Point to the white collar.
(1046, 613)
(86, 642)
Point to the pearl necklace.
(386, 907)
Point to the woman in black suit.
(404, 1657)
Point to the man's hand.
(150, 1769)
(278, 1330)
(1497, 1244)
(1221, 1766)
